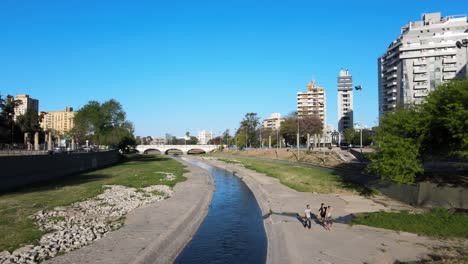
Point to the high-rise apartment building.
(313, 102)
(59, 121)
(25, 103)
(273, 122)
(204, 137)
(425, 55)
(345, 100)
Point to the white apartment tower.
(313, 102)
(204, 137)
(345, 100)
(426, 54)
(25, 103)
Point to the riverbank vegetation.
(301, 178)
(436, 129)
(438, 222)
(16, 228)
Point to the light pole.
(298, 136)
(359, 88)
(460, 44)
(12, 127)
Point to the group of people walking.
(324, 213)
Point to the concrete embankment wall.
(17, 171)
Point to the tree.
(349, 134)
(311, 124)
(226, 137)
(104, 123)
(193, 140)
(446, 116)
(30, 122)
(398, 139)
(288, 129)
(437, 127)
(397, 160)
(249, 128)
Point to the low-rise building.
(273, 122)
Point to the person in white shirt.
(308, 217)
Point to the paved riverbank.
(155, 233)
(290, 242)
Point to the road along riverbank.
(290, 242)
(155, 233)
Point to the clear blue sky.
(181, 66)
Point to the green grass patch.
(302, 178)
(436, 223)
(16, 229)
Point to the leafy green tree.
(288, 129)
(30, 122)
(397, 160)
(240, 139)
(193, 140)
(249, 127)
(104, 123)
(226, 137)
(349, 134)
(446, 113)
(399, 139)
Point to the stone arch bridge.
(186, 149)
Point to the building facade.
(25, 103)
(273, 122)
(345, 100)
(59, 121)
(426, 54)
(204, 137)
(313, 102)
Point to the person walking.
(308, 217)
(329, 220)
(323, 214)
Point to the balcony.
(391, 84)
(420, 95)
(448, 77)
(420, 78)
(420, 87)
(391, 99)
(393, 76)
(419, 63)
(450, 69)
(391, 69)
(420, 70)
(391, 91)
(449, 61)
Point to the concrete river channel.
(233, 230)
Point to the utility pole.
(359, 88)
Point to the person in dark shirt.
(323, 213)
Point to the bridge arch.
(173, 151)
(152, 151)
(196, 151)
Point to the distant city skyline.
(189, 66)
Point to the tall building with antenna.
(345, 100)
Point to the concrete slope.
(155, 233)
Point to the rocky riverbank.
(80, 224)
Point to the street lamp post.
(298, 136)
(359, 88)
(12, 127)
